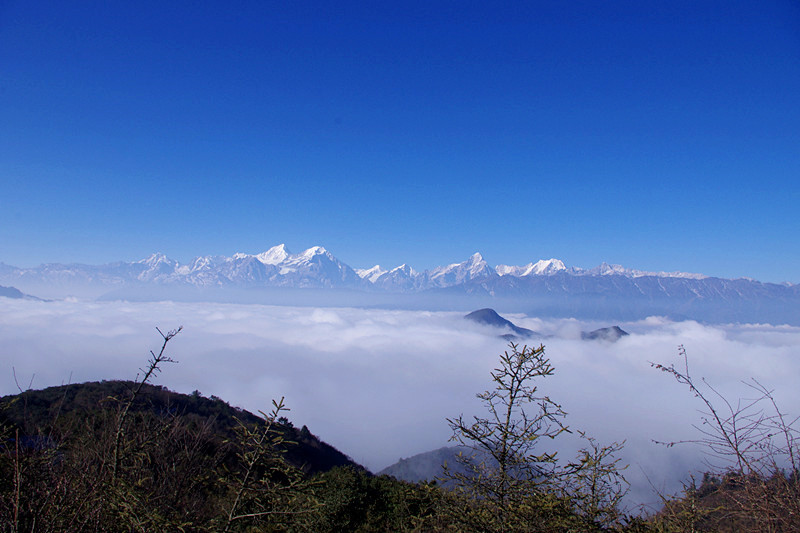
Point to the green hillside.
(60, 409)
(121, 456)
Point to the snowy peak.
(157, 267)
(316, 267)
(315, 250)
(539, 268)
(204, 263)
(549, 267)
(156, 260)
(478, 267)
(314, 255)
(547, 285)
(604, 269)
(543, 267)
(370, 274)
(275, 255)
(473, 268)
(405, 269)
(402, 278)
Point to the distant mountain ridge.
(15, 293)
(314, 267)
(11, 292)
(544, 287)
(428, 466)
(490, 317)
(611, 334)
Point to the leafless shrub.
(753, 449)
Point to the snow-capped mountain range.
(315, 267)
(549, 285)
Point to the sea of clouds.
(379, 384)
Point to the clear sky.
(657, 135)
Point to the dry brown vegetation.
(130, 456)
(756, 486)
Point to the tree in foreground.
(121, 463)
(268, 493)
(509, 482)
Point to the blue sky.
(657, 135)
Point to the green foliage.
(267, 491)
(504, 466)
(120, 456)
(595, 484)
(131, 456)
(352, 500)
(510, 483)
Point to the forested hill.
(99, 457)
(39, 413)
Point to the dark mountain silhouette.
(611, 334)
(35, 409)
(490, 317)
(425, 466)
(13, 292)
(428, 466)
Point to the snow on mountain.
(277, 267)
(606, 290)
(370, 274)
(540, 268)
(157, 267)
(473, 268)
(244, 270)
(507, 270)
(684, 275)
(156, 260)
(400, 279)
(405, 269)
(275, 255)
(205, 263)
(604, 269)
(316, 255)
(552, 266)
(203, 271)
(314, 267)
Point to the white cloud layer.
(378, 384)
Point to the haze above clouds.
(379, 384)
